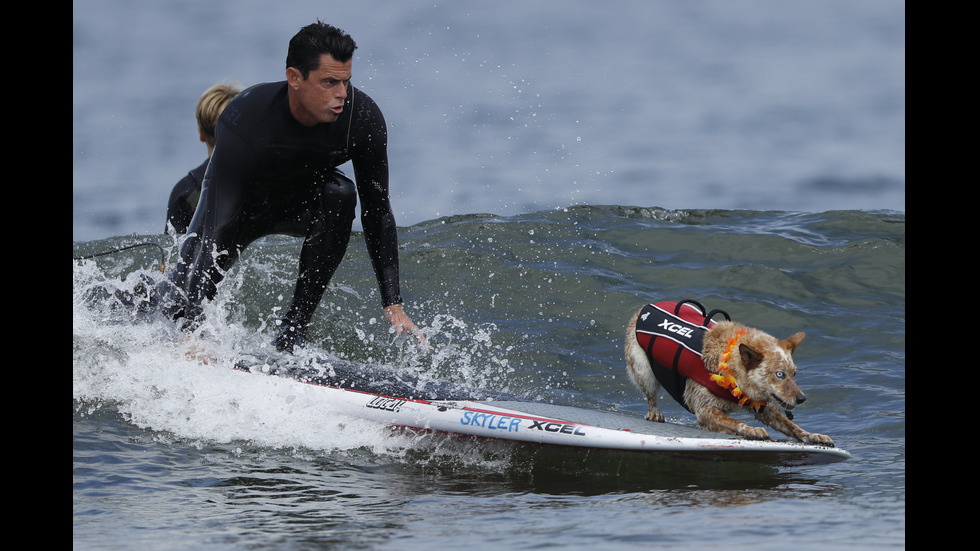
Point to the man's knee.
(341, 195)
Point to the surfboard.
(412, 402)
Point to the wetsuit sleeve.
(183, 200)
(178, 212)
(370, 160)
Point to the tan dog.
(762, 376)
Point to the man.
(273, 170)
(184, 196)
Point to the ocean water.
(172, 453)
(556, 165)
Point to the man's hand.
(398, 319)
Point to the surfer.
(184, 196)
(273, 170)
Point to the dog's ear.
(750, 357)
(792, 342)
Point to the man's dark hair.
(317, 39)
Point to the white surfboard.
(410, 402)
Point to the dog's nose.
(800, 398)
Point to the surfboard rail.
(423, 406)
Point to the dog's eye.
(780, 375)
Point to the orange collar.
(726, 380)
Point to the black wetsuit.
(270, 174)
(183, 199)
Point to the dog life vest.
(672, 334)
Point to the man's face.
(320, 96)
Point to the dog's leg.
(641, 374)
(774, 418)
(714, 419)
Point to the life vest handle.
(701, 308)
(677, 308)
(711, 314)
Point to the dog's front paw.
(814, 438)
(753, 433)
(654, 415)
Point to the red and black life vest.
(672, 334)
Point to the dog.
(738, 367)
